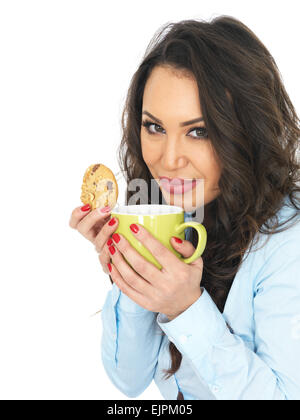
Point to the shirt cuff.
(197, 329)
(124, 303)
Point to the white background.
(64, 72)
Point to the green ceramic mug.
(163, 222)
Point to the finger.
(89, 221)
(104, 259)
(132, 279)
(78, 214)
(163, 255)
(105, 233)
(185, 248)
(123, 285)
(143, 267)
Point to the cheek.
(206, 163)
(150, 151)
(216, 167)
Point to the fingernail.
(105, 209)
(134, 228)
(112, 222)
(112, 250)
(116, 237)
(109, 242)
(109, 267)
(178, 240)
(86, 207)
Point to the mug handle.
(202, 239)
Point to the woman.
(228, 325)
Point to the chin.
(180, 201)
(189, 201)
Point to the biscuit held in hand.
(99, 187)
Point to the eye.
(148, 124)
(202, 132)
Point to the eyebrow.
(183, 124)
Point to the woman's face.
(173, 150)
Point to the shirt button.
(183, 339)
(215, 388)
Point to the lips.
(176, 181)
(177, 185)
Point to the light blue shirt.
(256, 358)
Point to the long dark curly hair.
(254, 131)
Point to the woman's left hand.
(170, 290)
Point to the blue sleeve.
(130, 344)
(230, 367)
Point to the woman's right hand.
(94, 226)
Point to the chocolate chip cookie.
(99, 187)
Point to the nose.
(173, 157)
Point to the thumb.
(186, 249)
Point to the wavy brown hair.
(253, 128)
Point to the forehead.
(170, 91)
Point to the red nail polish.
(105, 209)
(178, 240)
(112, 250)
(109, 267)
(134, 228)
(86, 207)
(112, 222)
(116, 237)
(109, 242)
